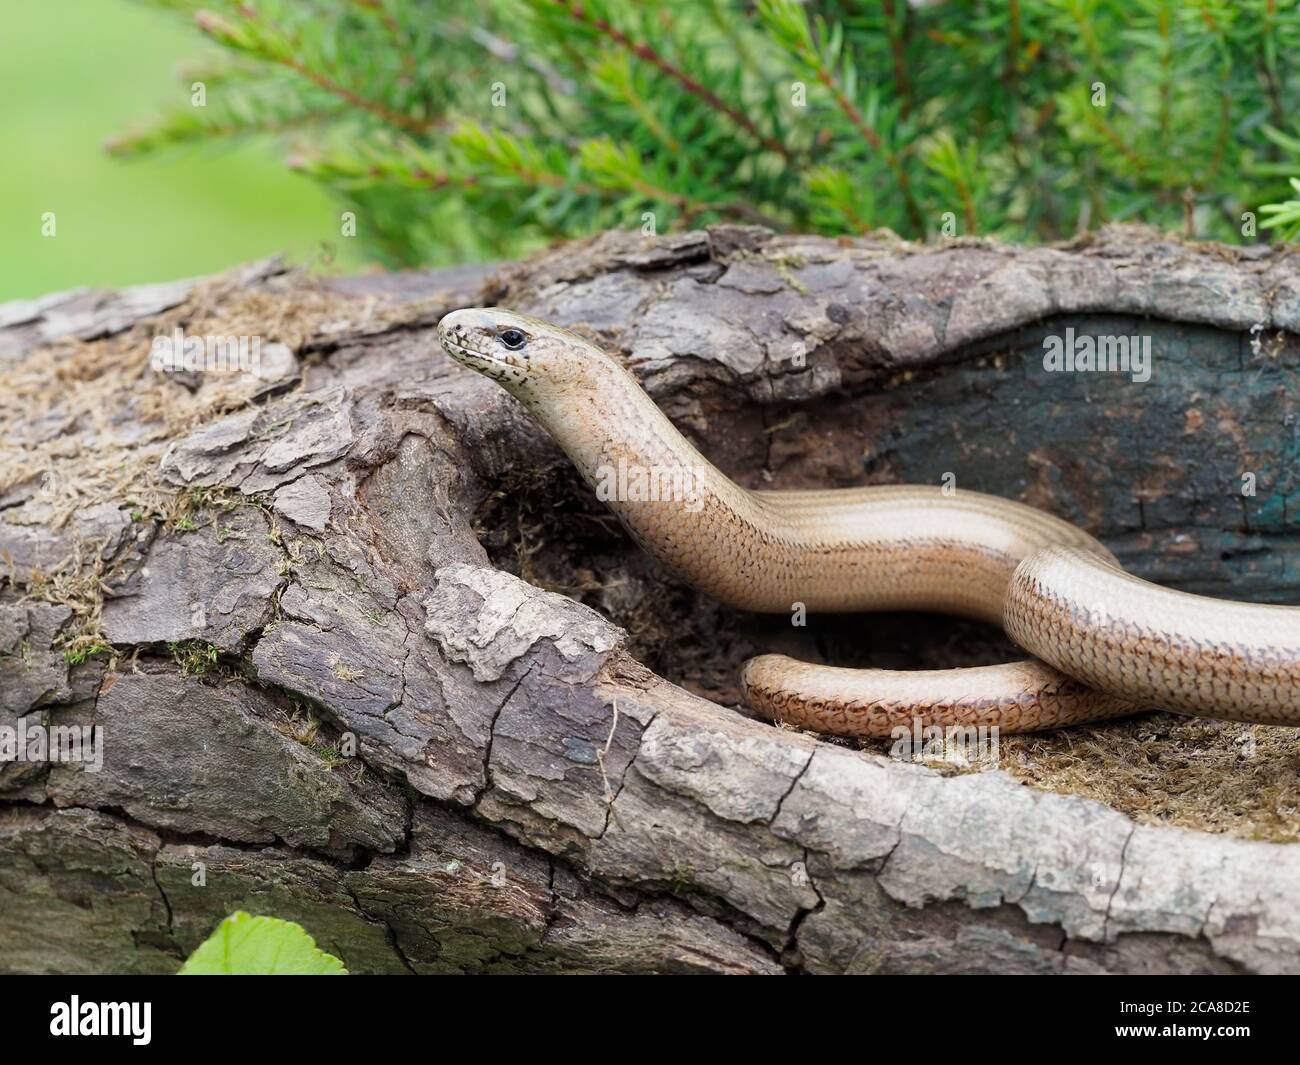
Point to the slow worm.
(1117, 643)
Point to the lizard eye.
(513, 339)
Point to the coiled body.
(1110, 643)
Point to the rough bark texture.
(527, 794)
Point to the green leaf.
(244, 945)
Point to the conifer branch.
(797, 36)
(227, 33)
(587, 110)
(897, 29)
(647, 53)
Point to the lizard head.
(526, 356)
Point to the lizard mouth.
(461, 351)
(461, 346)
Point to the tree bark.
(380, 548)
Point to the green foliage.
(244, 945)
(76, 655)
(472, 129)
(195, 657)
(1284, 217)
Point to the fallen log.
(364, 652)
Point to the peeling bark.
(528, 794)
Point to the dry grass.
(1217, 776)
(86, 423)
(80, 584)
(89, 420)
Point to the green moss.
(75, 654)
(195, 657)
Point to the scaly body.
(1118, 642)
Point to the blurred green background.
(73, 72)
(971, 118)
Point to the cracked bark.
(496, 817)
